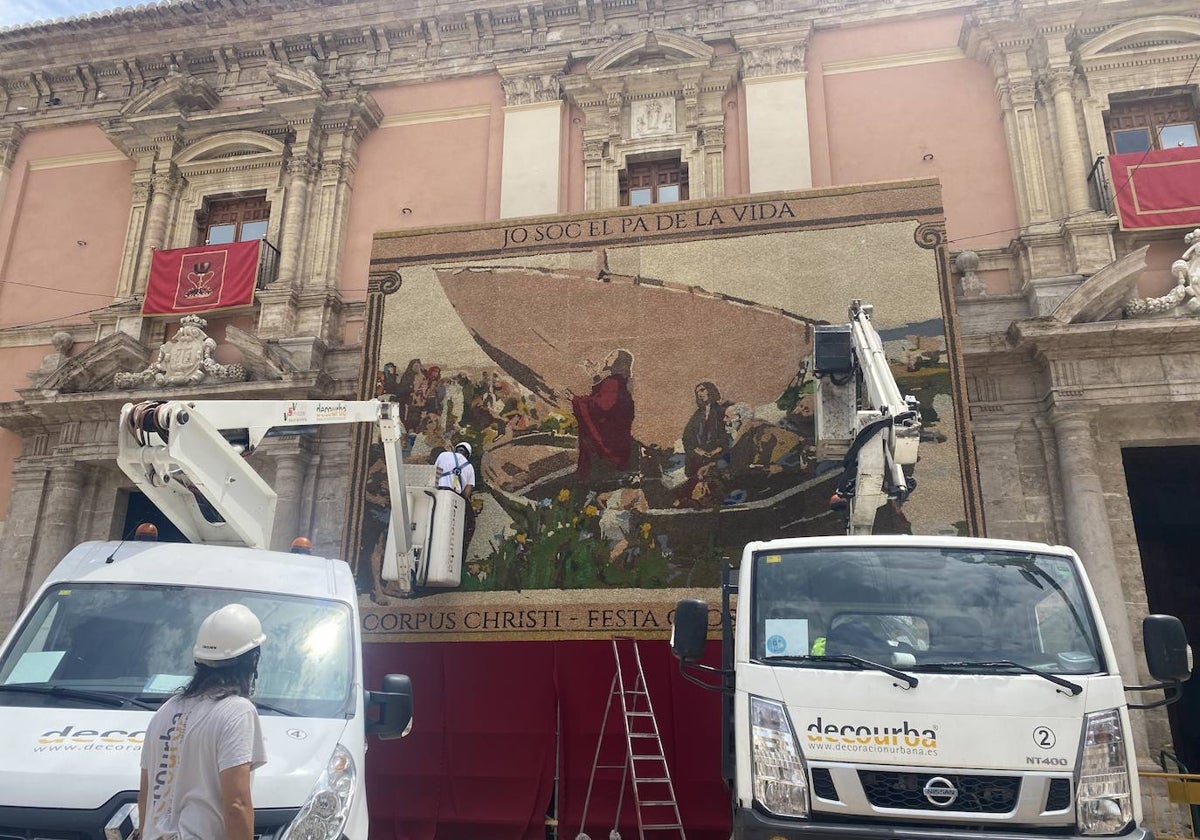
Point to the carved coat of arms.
(185, 359)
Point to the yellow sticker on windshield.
(64, 592)
(774, 558)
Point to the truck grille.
(976, 794)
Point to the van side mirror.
(395, 704)
(689, 635)
(1167, 652)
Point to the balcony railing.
(1101, 188)
(268, 265)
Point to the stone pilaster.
(1089, 533)
(10, 141)
(533, 125)
(776, 111)
(1018, 107)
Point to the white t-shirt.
(445, 464)
(189, 741)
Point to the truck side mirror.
(689, 636)
(395, 704)
(1167, 652)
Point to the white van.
(109, 637)
(920, 687)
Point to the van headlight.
(323, 815)
(780, 783)
(1103, 802)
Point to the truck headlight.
(323, 815)
(780, 783)
(1103, 802)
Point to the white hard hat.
(226, 634)
(466, 447)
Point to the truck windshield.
(912, 608)
(105, 642)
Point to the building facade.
(317, 127)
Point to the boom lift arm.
(188, 457)
(862, 418)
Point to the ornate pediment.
(1102, 296)
(94, 368)
(229, 144)
(177, 91)
(263, 360)
(292, 80)
(1142, 34)
(651, 49)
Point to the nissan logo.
(940, 792)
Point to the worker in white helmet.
(455, 472)
(202, 744)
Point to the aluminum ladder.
(645, 763)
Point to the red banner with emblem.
(202, 278)
(1157, 189)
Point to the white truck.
(108, 636)
(919, 686)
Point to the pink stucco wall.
(878, 125)
(439, 172)
(45, 271)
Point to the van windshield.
(135, 641)
(923, 608)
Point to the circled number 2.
(1043, 736)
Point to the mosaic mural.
(639, 411)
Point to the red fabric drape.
(480, 761)
(1157, 189)
(201, 279)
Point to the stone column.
(291, 237)
(1062, 87)
(163, 188)
(20, 534)
(533, 128)
(289, 484)
(56, 528)
(1089, 533)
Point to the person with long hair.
(202, 744)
